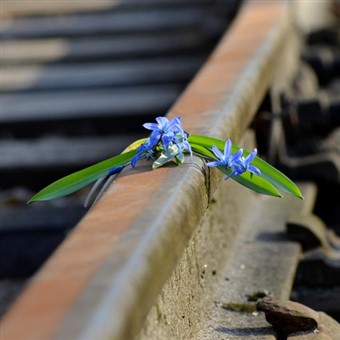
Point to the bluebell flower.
(226, 159)
(244, 164)
(235, 162)
(169, 133)
(164, 131)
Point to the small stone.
(288, 316)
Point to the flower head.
(226, 159)
(244, 164)
(168, 133)
(164, 131)
(235, 162)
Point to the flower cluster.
(168, 141)
(165, 135)
(237, 163)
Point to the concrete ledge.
(238, 251)
(103, 280)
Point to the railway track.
(167, 254)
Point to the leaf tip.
(298, 194)
(31, 200)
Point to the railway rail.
(173, 253)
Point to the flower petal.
(251, 156)
(218, 153)
(173, 123)
(236, 156)
(162, 122)
(216, 163)
(227, 149)
(230, 175)
(254, 169)
(115, 170)
(151, 126)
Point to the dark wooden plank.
(99, 74)
(16, 8)
(103, 47)
(39, 229)
(82, 104)
(109, 22)
(60, 151)
(15, 219)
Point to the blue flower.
(226, 159)
(164, 131)
(236, 162)
(243, 164)
(169, 133)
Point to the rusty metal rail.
(167, 254)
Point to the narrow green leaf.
(268, 172)
(77, 180)
(208, 142)
(276, 177)
(254, 182)
(202, 151)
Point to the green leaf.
(254, 182)
(202, 151)
(248, 180)
(268, 172)
(276, 177)
(80, 179)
